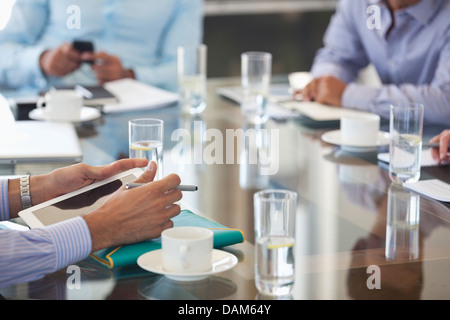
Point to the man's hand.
(327, 90)
(443, 153)
(137, 214)
(59, 61)
(71, 178)
(107, 67)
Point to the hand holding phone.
(84, 46)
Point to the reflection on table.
(345, 203)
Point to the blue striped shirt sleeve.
(4, 202)
(29, 255)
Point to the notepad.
(128, 254)
(320, 112)
(135, 95)
(39, 142)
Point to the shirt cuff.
(331, 69)
(4, 200)
(72, 240)
(359, 97)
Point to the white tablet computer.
(76, 203)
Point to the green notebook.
(128, 254)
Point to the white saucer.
(334, 137)
(152, 261)
(86, 114)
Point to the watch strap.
(25, 191)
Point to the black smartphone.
(83, 46)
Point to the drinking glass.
(192, 78)
(256, 72)
(146, 141)
(406, 125)
(275, 212)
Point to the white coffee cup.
(360, 130)
(61, 105)
(187, 249)
(299, 80)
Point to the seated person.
(127, 216)
(408, 43)
(136, 39)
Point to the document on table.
(318, 111)
(426, 158)
(6, 115)
(278, 93)
(433, 188)
(135, 95)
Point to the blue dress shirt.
(412, 58)
(29, 255)
(143, 34)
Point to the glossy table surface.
(341, 222)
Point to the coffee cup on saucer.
(187, 250)
(360, 129)
(60, 105)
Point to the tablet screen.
(80, 204)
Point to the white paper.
(6, 115)
(434, 188)
(426, 159)
(134, 95)
(318, 111)
(278, 94)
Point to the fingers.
(70, 53)
(107, 67)
(60, 61)
(103, 172)
(443, 144)
(173, 210)
(441, 154)
(309, 92)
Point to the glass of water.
(146, 141)
(406, 125)
(256, 72)
(275, 212)
(192, 78)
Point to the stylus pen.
(181, 187)
(432, 145)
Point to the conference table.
(343, 246)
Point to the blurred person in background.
(131, 39)
(406, 41)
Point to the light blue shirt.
(31, 254)
(413, 60)
(143, 34)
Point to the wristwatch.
(25, 191)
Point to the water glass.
(256, 72)
(402, 226)
(406, 125)
(146, 141)
(192, 78)
(274, 212)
